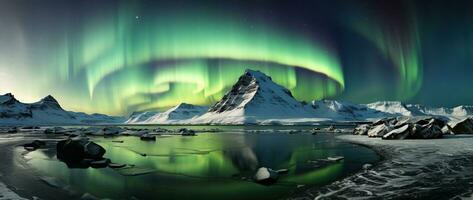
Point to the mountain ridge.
(46, 111)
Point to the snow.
(426, 169)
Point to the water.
(209, 166)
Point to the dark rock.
(186, 132)
(55, 130)
(100, 163)
(77, 150)
(30, 127)
(464, 126)
(92, 131)
(34, 145)
(147, 137)
(12, 130)
(112, 130)
(431, 130)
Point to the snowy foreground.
(5, 192)
(412, 169)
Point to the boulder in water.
(266, 176)
(34, 145)
(148, 137)
(79, 149)
(112, 130)
(186, 132)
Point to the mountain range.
(253, 99)
(256, 99)
(47, 111)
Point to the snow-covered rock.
(379, 130)
(47, 111)
(266, 175)
(404, 128)
(361, 129)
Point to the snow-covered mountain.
(44, 112)
(178, 114)
(254, 98)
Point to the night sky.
(117, 57)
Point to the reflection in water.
(208, 166)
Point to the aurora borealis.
(119, 56)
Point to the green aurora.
(117, 57)
(131, 62)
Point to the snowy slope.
(140, 117)
(178, 114)
(46, 111)
(254, 98)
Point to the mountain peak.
(257, 74)
(255, 96)
(184, 106)
(7, 98)
(49, 101)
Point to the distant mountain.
(400, 109)
(44, 112)
(253, 98)
(256, 99)
(177, 114)
(345, 111)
